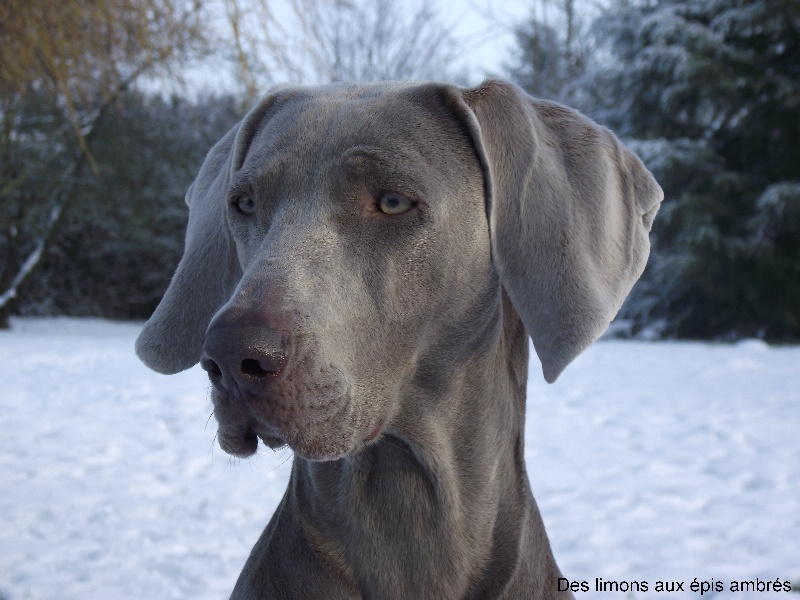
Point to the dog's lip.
(242, 443)
(271, 439)
(241, 439)
(240, 436)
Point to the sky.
(482, 30)
(485, 27)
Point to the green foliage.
(63, 65)
(115, 251)
(552, 49)
(708, 93)
(545, 68)
(38, 170)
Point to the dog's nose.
(244, 355)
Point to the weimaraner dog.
(363, 267)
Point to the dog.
(363, 266)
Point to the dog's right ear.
(569, 209)
(172, 339)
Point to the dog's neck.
(459, 497)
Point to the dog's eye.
(392, 204)
(245, 205)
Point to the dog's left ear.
(172, 339)
(570, 210)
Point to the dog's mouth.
(309, 441)
(313, 418)
(244, 443)
(242, 440)
(324, 435)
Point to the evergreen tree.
(552, 49)
(115, 251)
(708, 93)
(62, 66)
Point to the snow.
(650, 461)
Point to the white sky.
(483, 30)
(484, 27)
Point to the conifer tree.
(708, 93)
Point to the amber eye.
(245, 205)
(392, 204)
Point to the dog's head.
(347, 244)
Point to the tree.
(62, 66)
(709, 94)
(324, 41)
(375, 41)
(117, 247)
(553, 47)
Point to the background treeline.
(122, 236)
(708, 94)
(93, 168)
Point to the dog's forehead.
(358, 112)
(313, 127)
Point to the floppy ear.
(570, 210)
(172, 339)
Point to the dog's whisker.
(211, 447)
(285, 460)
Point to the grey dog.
(363, 267)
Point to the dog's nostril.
(252, 367)
(211, 367)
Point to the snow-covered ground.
(650, 461)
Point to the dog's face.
(348, 246)
(364, 246)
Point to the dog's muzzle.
(268, 385)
